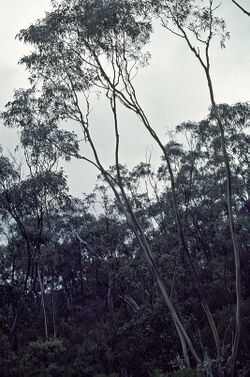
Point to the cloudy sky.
(171, 90)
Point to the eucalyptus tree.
(73, 45)
(25, 205)
(198, 26)
(118, 40)
(68, 60)
(29, 195)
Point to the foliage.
(8, 360)
(101, 300)
(45, 359)
(186, 373)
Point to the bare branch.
(241, 8)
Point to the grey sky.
(172, 89)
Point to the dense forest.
(148, 275)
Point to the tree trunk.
(43, 302)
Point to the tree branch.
(241, 8)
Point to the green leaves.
(37, 118)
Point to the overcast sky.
(172, 89)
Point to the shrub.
(43, 359)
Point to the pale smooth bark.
(124, 204)
(43, 303)
(205, 63)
